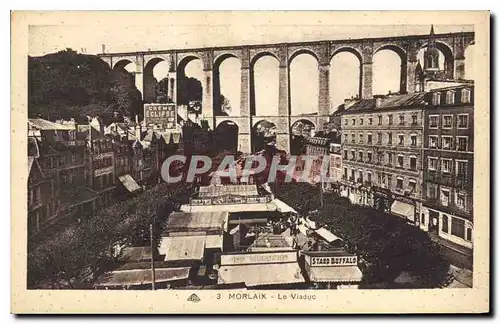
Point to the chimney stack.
(103, 48)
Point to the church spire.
(431, 56)
(432, 41)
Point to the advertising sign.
(334, 261)
(161, 114)
(258, 258)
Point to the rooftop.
(42, 124)
(238, 190)
(200, 221)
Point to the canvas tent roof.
(182, 247)
(141, 277)
(261, 274)
(200, 221)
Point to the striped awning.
(403, 209)
(129, 183)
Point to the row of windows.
(316, 150)
(72, 158)
(103, 163)
(458, 226)
(446, 166)
(461, 143)
(402, 120)
(335, 162)
(102, 146)
(382, 159)
(122, 148)
(462, 121)
(121, 161)
(450, 97)
(104, 181)
(447, 196)
(383, 179)
(401, 139)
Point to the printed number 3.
(218, 296)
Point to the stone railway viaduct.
(451, 45)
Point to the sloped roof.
(362, 105)
(43, 124)
(96, 135)
(202, 221)
(405, 100)
(392, 101)
(453, 87)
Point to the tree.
(161, 90)
(71, 85)
(386, 244)
(125, 94)
(70, 255)
(189, 89)
(225, 105)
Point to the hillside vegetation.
(67, 85)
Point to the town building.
(101, 175)
(197, 139)
(319, 147)
(57, 185)
(335, 166)
(382, 153)
(448, 163)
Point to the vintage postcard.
(250, 162)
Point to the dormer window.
(465, 97)
(436, 98)
(450, 97)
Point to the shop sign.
(404, 199)
(229, 199)
(257, 258)
(334, 261)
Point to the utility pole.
(321, 192)
(153, 276)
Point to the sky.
(344, 67)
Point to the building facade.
(57, 184)
(382, 153)
(336, 168)
(74, 168)
(449, 164)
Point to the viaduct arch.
(451, 45)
